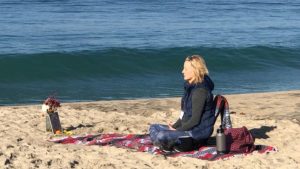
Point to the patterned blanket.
(142, 143)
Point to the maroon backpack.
(238, 140)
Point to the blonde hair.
(199, 67)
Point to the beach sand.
(274, 119)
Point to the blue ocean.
(87, 50)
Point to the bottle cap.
(220, 130)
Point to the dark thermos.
(221, 141)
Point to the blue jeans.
(161, 135)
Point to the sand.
(274, 119)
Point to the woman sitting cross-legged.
(195, 124)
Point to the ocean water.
(102, 50)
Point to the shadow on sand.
(70, 128)
(261, 133)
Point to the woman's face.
(188, 74)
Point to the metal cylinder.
(221, 141)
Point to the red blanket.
(143, 143)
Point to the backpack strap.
(221, 106)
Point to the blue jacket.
(197, 104)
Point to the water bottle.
(221, 141)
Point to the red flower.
(52, 102)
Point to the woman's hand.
(170, 127)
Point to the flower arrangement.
(50, 105)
